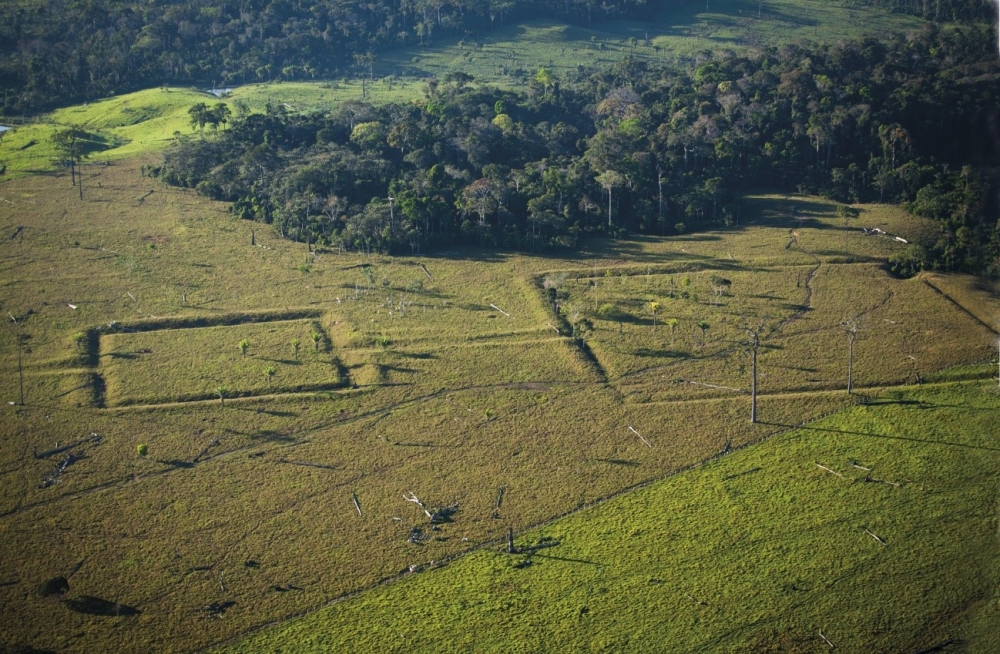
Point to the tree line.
(54, 52)
(631, 149)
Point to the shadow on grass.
(98, 606)
(272, 436)
(416, 355)
(176, 463)
(660, 354)
(567, 559)
(620, 462)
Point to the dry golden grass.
(453, 399)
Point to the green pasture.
(874, 529)
(462, 380)
(199, 363)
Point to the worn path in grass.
(245, 507)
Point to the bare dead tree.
(753, 345)
(850, 327)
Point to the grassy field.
(890, 546)
(248, 507)
(137, 124)
(194, 364)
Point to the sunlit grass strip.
(760, 549)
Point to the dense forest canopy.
(57, 51)
(634, 149)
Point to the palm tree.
(270, 371)
(653, 306)
(315, 339)
(244, 346)
(222, 391)
(703, 326)
(295, 348)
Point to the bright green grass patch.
(757, 551)
(136, 124)
(187, 364)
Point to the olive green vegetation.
(459, 379)
(200, 359)
(509, 54)
(875, 527)
(137, 123)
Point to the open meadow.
(872, 531)
(207, 429)
(448, 378)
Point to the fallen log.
(640, 436)
(832, 472)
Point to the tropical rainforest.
(58, 51)
(637, 148)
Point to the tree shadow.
(91, 605)
(620, 462)
(660, 354)
(176, 463)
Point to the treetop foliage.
(634, 148)
(58, 51)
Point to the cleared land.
(459, 386)
(874, 529)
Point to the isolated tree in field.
(199, 115)
(70, 143)
(369, 273)
(703, 326)
(22, 341)
(295, 348)
(653, 306)
(222, 391)
(244, 346)
(753, 345)
(315, 339)
(672, 324)
(270, 372)
(850, 327)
